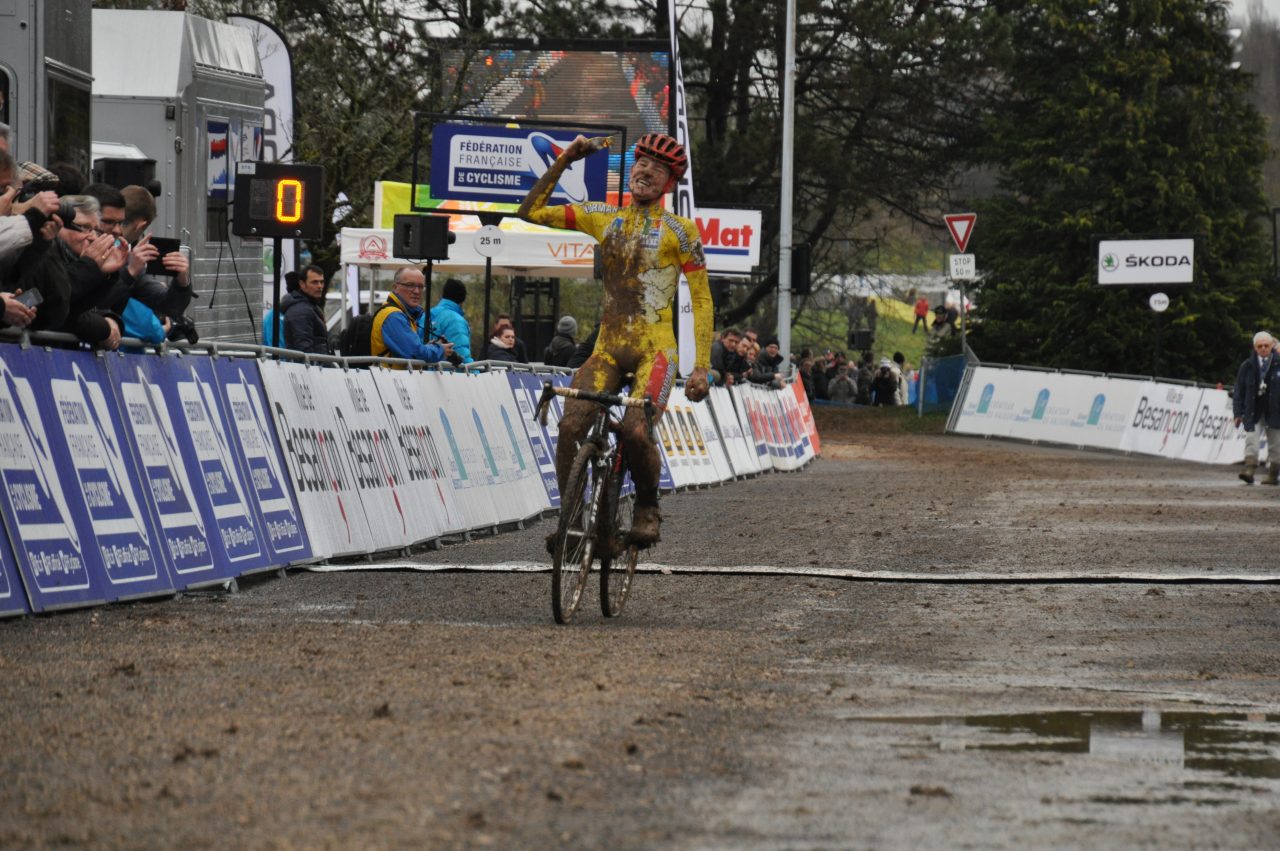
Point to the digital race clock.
(278, 200)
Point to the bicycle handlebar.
(610, 399)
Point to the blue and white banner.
(176, 487)
(262, 461)
(13, 598)
(104, 472)
(484, 162)
(59, 565)
(526, 389)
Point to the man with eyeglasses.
(83, 265)
(400, 325)
(167, 299)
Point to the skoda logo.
(1110, 262)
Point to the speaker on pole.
(800, 269)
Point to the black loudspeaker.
(800, 269)
(120, 173)
(861, 340)
(416, 237)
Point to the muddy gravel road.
(870, 695)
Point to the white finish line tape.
(975, 577)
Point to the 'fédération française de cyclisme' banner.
(1169, 420)
(485, 162)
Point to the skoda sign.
(1134, 262)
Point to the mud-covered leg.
(596, 374)
(645, 465)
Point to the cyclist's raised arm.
(534, 208)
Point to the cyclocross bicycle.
(595, 516)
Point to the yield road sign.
(961, 227)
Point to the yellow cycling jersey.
(644, 250)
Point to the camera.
(182, 329)
(32, 188)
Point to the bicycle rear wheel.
(617, 556)
(575, 536)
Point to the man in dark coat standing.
(1256, 405)
(303, 311)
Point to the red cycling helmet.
(664, 149)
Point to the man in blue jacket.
(398, 326)
(448, 321)
(1256, 405)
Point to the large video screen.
(628, 85)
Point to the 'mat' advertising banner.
(730, 239)
(484, 162)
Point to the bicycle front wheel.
(617, 555)
(575, 536)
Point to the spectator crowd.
(77, 258)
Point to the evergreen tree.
(1120, 119)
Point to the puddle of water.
(1228, 753)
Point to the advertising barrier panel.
(1132, 415)
(526, 389)
(255, 447)
(1160, 419)
(466, 455)
(807, 425)
(743, 396)
(364, 435)
(106, 477)
(508, 455)
(704, 420)
(178, 482)
(742, 456)
(302, 403)
(13, 598)
(427, 492)
(1214, 438)
(47, 526)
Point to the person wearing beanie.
(448, 320)
(562, 345)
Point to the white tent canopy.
(526, 250)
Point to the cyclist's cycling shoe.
(645, 526)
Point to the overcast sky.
(1271, 7)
